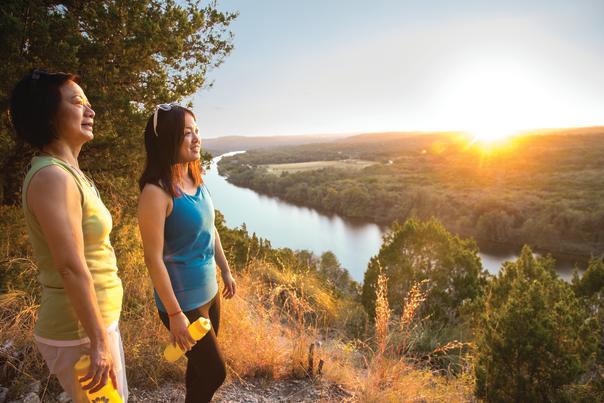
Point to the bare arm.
(55, 201)
(230, 287)
(152, 211)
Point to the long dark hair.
(162, 167)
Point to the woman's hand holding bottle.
(102, 367)
(180, 333)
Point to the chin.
(191, 158)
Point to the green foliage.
(337, 277)
(590, 288)
(535, 338)
(131, 55)
(416, 251)
(592, 280)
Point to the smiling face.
(190, 148)
(75, 117)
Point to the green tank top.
(57, 319)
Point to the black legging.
(206, 370)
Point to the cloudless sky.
(349, 66)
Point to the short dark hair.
(161, 167)
(34, 104)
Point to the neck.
(186, 178)
(183, 173)
(63, 152)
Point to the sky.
(349, 66)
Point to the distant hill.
(414, 139)
(567, 131)
(385, 137)
(389, 136)
(225, 144)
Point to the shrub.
(536, 338)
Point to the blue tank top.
(189, 250)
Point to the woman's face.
(190, 148)
(75, 117)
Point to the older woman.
(69, 228)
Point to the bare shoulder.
(154, 191)
(153, 197)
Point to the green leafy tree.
(535, 338)
(425, 250)
(131, 55)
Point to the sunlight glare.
(493, 100)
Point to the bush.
(536, 338)
(417, 251)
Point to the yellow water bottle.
(107, 394)
(197, 330)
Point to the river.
(295, 227)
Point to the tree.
(336, 276)
(131, 55)
(535, 338)
(590, 289)
(494, 225)
(416, 251)
(592, 280)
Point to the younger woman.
(181, 244)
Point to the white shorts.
(61, 359)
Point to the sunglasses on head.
(36, 74)
(165, 108)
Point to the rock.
(3, 394)
(63, 398)
(7, 346)
(34, 387)
(31, 397)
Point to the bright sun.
(493, 100)
(488, 136)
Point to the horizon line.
(350, 134)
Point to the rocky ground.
(256, 391)
(244, 391)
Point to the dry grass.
(386, 374)
(251, 335)
(409, 316)
(382, 313)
